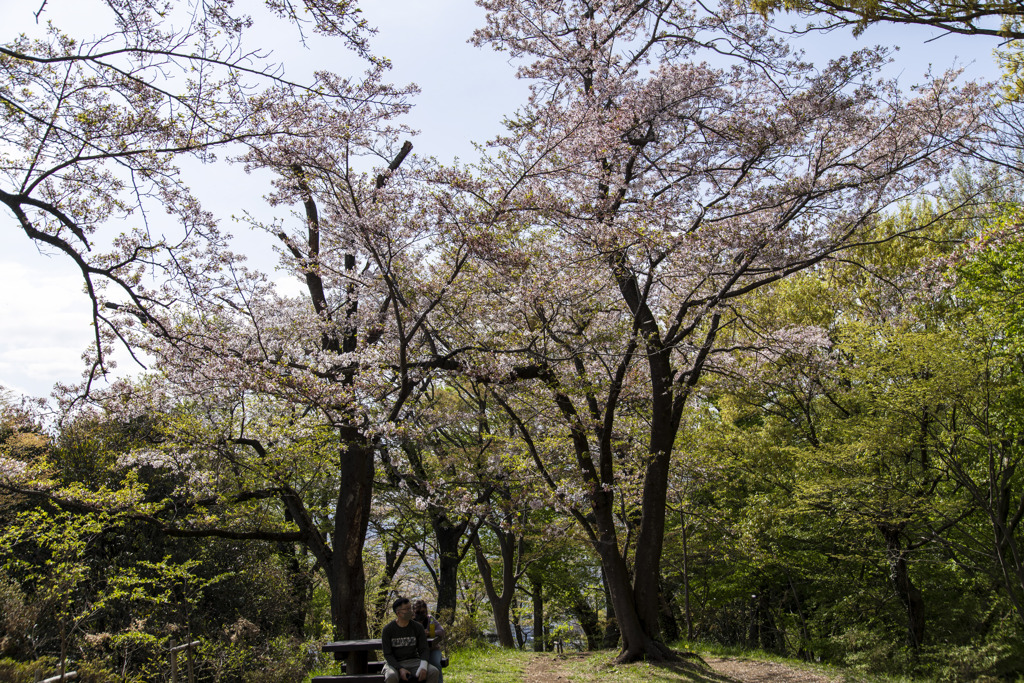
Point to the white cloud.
(289, 285)
(46, 323)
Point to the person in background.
(404, 643)
(434, 630)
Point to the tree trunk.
(502, 623)
(448, 537)
(651, 535)
(587, 617)
(668, 399)
(686, 578)
(636, 642)
(899, 576)
(352, 517)
(500, 604)
(538, 613)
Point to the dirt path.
(547, 669)
(753, 671)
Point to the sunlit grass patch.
(486, 665)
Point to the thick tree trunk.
(502, 623)
(448, 537)
(651, 535)
(352, 517)
(668, 398)
(635, 598)
(636, 642)
(347, 575)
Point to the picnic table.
(358, 668)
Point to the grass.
(494, 665)
(487, 664)
(491, 664)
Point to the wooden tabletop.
(352, 645)
(357, 645)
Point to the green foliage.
(82, 574)
(24, 671)
(832, 495)
(463, 633)
(958, 16)
(12, 671)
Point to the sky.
(465, 91)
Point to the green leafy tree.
(845, 469)
(999, 19)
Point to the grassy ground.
(491, 664)
(488, 664)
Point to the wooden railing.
(66, 676)
(173, 651)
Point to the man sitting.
(404, 643)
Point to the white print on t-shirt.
(404, 641)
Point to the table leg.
(357, 660)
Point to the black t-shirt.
(400, 643)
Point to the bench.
(375, 676)
(358, 653)
(376, 667)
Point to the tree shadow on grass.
(690, 669)
(696, 671)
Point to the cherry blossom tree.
(276, 406)
(447, 467)
(286, 403)
(671, 160)
(95, 130)
(271, 401)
